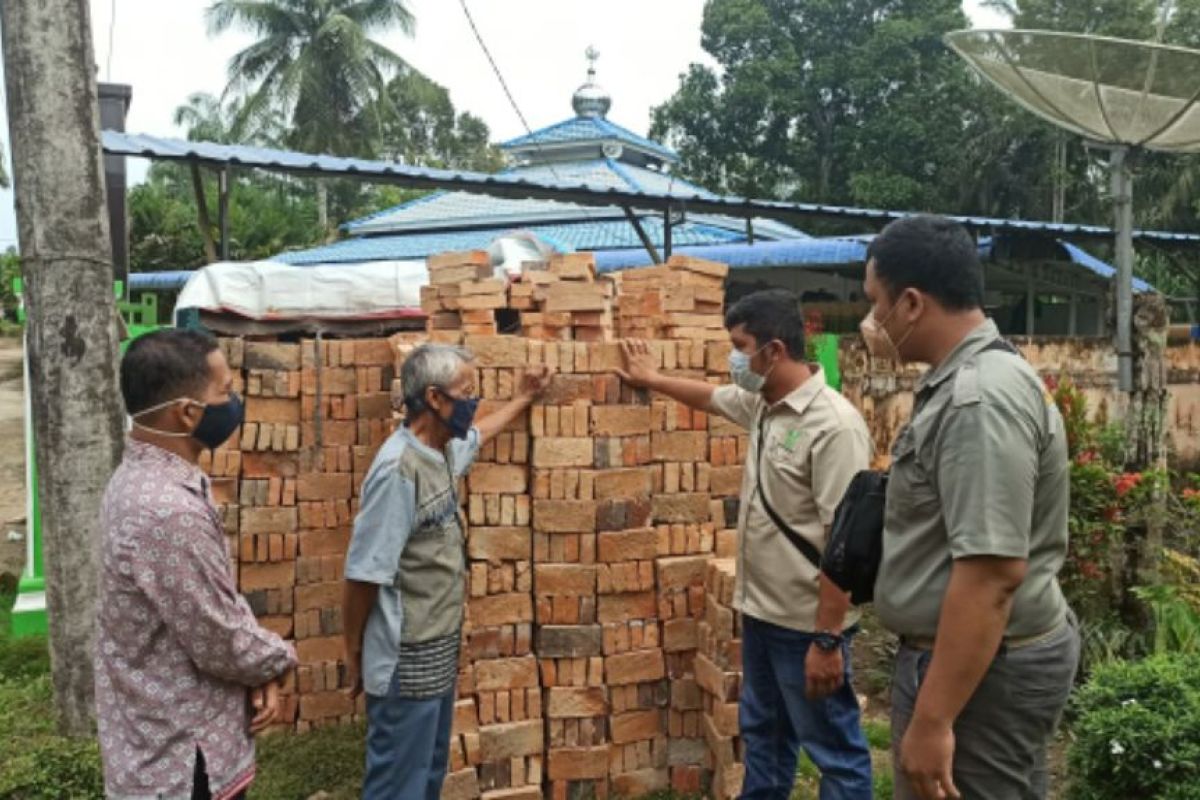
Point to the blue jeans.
(777, 719)
(408, 746)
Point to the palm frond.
(251, 63)
(258, 16)
(376, 14)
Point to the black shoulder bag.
(855, 545)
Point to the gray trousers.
(1002, 734)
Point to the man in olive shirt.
(807, 441)
(975, 530)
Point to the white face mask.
(743, 376)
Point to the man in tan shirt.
(806, 443)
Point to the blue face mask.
(462, 415)
(743, 376)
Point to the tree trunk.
(322, 208)
(66, 259)
(202, 219)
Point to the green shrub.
(1137, 731)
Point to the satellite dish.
(1113, 91)
(1124, 95)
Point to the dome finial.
(590, 100)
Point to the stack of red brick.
(718, 671)
(588, 655)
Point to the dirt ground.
(12, 456)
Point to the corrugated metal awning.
(296, 163)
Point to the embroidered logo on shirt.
(790, 440)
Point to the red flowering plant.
(1106, 501)
(1095, 523)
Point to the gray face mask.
(743, 376)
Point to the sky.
(163, 49)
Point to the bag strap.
(803, 545)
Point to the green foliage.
(815, 100)
(10, 269)
(859, 101)
(1137, 731)
(1176, 622)
(418, 125)
(878, 733)
(316, 64)
(266, 215)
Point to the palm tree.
(316, 62)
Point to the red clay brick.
(637, 667)
(578, 580)
(498, 479)
(323, 486)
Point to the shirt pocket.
(910, 495)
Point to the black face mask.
(462, 415)
(219, 422)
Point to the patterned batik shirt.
(177, 646)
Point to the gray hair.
(430, 365)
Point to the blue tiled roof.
(572, 236)
(589, 129)
(447, 209)
(460, 209)
(760, 255)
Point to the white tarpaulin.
(268, 290)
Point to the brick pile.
(499, 687)
(718, 672)
(462, 296)
(597, 639)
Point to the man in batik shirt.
(184, 673)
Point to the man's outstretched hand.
(640, 367)
(534, 381)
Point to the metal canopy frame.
(218, 157)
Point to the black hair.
(768, 315)
(164, 365)
(933, 255)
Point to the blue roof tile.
(589, 129)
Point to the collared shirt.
(980, 470)
(177, 646)
(408, 539)
(815, 442)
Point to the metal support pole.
(223, 209)
(667, 233)
(641, 232)
(750, 230)
(1122, 181)
(1030, 297)
(1073, 315)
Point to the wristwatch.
(827, 641)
